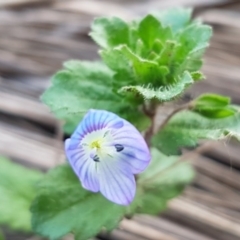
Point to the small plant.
(145, 64)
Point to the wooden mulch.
(37, 36)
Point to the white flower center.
(100, 144)
(97, 144)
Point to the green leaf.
(88, 213)
(176, 18)
(186, 128)
(216, 112)
(63, 206)
(148, 30)
(156, 49)
(81, 86)
(17, 190)
(192, 42)
(195, 37)
(132, 67)
(213, 106)
(118, 62)
(165, 178)
(163, 94)
(151, 29)
(211, 100)
(109, 32)
(144, 70)
(166, 55)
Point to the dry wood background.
(36, 36)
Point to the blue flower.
(105, 152)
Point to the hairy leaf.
(186, 128)
(192, 42)
(110, 32)
(131, 68)
(176, 18)
(211, 100)
(119, 63)
(163, 94)
(154, 51)
(63, 206)
(213, 106)
(164, 179)
(151, 29)
(17, 190)
(81, 86)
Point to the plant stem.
(149, 132)
(176, 110)
(186, 157)
(150, 110)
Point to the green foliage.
(152, 60)
(84, 213)
(156, 57)
(157, 50)
(186, 128)
(213, 106)
(63, 206)
(109, 32)
(164, 179)
(162, 94)
(17, 190)
(176, 18)
(81, 86)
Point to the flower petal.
(96, 120)
(105, 152)
(136, 160)
(89, 176)
(83, 166)
(117, 183)
(135, 151)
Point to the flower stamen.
(119, 147)
(96, 158)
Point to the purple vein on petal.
(82, 171)
(116, 193)
(133, 146)
(89, 121)
(93, 120)
(79, 164)
(103, 122)
(76, 157)
(127, 175)
(99, 120)
(79, 159)
(140, 155)
(113, 176)
(104, 185)
(91, 178)
(117, 177)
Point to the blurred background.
(36, 36)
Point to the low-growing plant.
(145, 64)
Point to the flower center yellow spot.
(96, 144)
